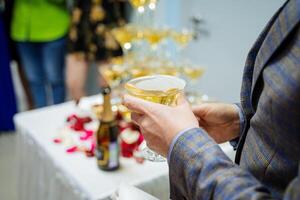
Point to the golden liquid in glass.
(138, 3)
(161, 89)
(136, 72)
(182, 38)
(168, 70)
(138, 34)
(123, 35)
(153, 36)
(112, 75)
(193, 73)
(118, 60)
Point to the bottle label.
(114, 155)
(102, 155)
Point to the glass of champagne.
(153, 36)
(161, 89)
(192, 73)
(167, 68)
(183, 37)
(124, 36)
(115, 75)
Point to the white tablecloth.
(48, 173)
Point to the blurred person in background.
(13, 54)
(8, 101)
(90, 39)
(39, 28)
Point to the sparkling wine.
(113, 75)
(182, 38)
(107, 151)
(153, 36)
(138, 3)
(193, 73)
(161, 89)
(136, 72)
(124, 35)
(167, 70)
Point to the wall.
(232, 28)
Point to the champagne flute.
(182, 39)
(124, 36)
(161, 89)
(154, 37)
(114, 75)
(192, 73)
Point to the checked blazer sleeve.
(200, 170)
(243, 121)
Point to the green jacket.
(39, 20)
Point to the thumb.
(136, 104)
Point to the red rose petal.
(72, 149)
(57, 140)
(86, 135)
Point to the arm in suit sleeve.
(243, 120)
(200, 170)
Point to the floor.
(8, 176)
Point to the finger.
(137, 105)
(137, 118)
(199, 109)
(147, 136)
(201, 122)
(196, 108)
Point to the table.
(47, 172)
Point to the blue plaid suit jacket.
(268, 151)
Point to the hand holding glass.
(161, 89)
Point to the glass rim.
(130, 87)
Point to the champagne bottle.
(107, 151)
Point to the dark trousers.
(44, 66)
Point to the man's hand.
(220, 120)
(160, 123)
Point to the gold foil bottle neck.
(107, 114)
